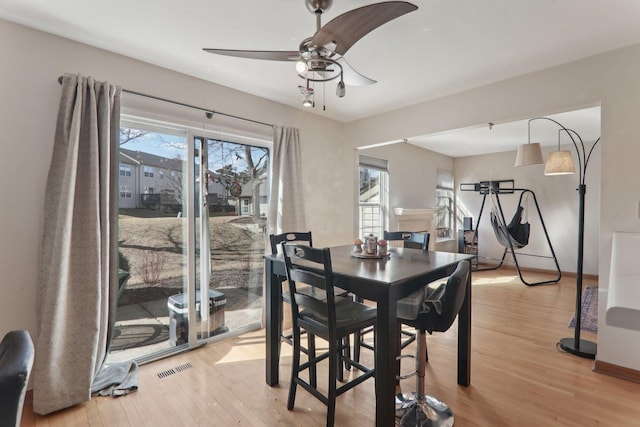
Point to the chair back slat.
(290, 237)
(300, 275)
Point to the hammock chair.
(514, 234)
(516, 231)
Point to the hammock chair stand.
(494, 189)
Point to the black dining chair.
(409, 239)
(16, 360)
(429, 310)
(331, 318)
(275, 241)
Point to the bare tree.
(173, 172)
(127, 135)
(252, 159)
(256, 171)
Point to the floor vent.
(171, 371)
(184, 367)
(165, 374)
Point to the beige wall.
(30, 95)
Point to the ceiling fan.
(320, 58)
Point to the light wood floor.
(518, 377)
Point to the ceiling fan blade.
(346, 29)
(351, 77)
(269, 55)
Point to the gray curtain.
(79, 255)
(286, 205)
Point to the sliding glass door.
(191, 240)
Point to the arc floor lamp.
(560, 162)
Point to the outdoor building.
(247, 207)
(155, 182)
(149, 181)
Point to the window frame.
(382, 214)
(125, 169)
(125, 192)
(445, 190)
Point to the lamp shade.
(529, 154)
(559, 163)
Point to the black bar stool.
(436, 312)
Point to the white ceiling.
(498, 137)
(444, 47)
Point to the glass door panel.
(153, 239)
(233, 207)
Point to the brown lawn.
(158, 241)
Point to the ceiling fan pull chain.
(324, 99)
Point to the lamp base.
(586, 349)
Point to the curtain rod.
(207, 111)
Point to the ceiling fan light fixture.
(306, 101)
(340, 89)
(302, 67)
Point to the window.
(125, 170)
(125, 191)
(148, 171)
(373, 203)
(444, 202)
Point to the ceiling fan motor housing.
(318, 6)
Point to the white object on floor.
(623, 301)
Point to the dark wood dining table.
(383, 281)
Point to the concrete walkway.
(149, 322)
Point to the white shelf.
(415, 211)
